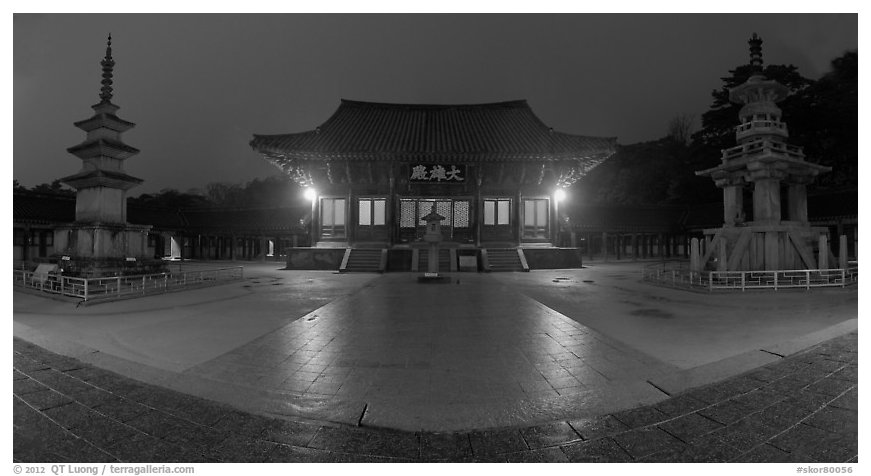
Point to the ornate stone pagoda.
(491, 170)
(101, 242)
(777, 235)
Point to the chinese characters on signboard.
(437, 173)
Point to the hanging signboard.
(437, 173)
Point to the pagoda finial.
(108, 63)
(756, 53)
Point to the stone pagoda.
(101, 242)
(777, 236)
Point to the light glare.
(310, 194)
(559, 195)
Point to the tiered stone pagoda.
(101, 242)
(777, 235)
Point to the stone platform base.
(101, 267)
(440, 279)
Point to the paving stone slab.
(23, 414)
(445, 446)
(201, 440)
(241, 449)
(143, 448)
(808, 400)
(638, 417)
(600, 450)
(493, 442)
(289, 432)
(849, 373)
(703, 450)
(849, 400)
(591, 428)
(86, 373)
(76, 450)
(378, 443)
(680, 405)
(787, 385)
(782, 415)
(830, 386)
(646, 441)
(800, 438)
(26, 364)
(63, 363)
(546, 455)
(46, 399)
(746, 433)
(553, 434)
(92, 397)
(727, 412)
(759, 399)
(295, 454)
(103, 432)
(690, 427)
(769, 454)
(120, 409)
(835, 420)
(72, 415)
(28, 385)
(246, 424)
(836, 448)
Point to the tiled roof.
(252, 219)
(42, 208)
(48, 209)
(624, 218)
(505, 130)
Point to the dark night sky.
(198, 86)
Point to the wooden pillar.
(844, 252)
(635, 247)
(478, 206)
(604, 246)
(695, 256)
(823, 260)
(618, 240)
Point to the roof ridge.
(510, 103)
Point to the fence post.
(843, 277)
(61, 285)
(711, 281)
(743, 280)
(807, 279)
(118, 279)
(86, 289)
(143, 285)
(165, 282)
(775, 280)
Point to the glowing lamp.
(559, 195)
(310, 194)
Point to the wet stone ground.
(802, 408)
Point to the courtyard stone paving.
(800, 409)
(554, 365)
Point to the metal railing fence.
(678, 274)
(121, 287)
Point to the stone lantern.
(433, 236)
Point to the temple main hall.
(495, 172)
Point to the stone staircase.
(371, 260)
(504, 259)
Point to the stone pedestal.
(97, 249)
